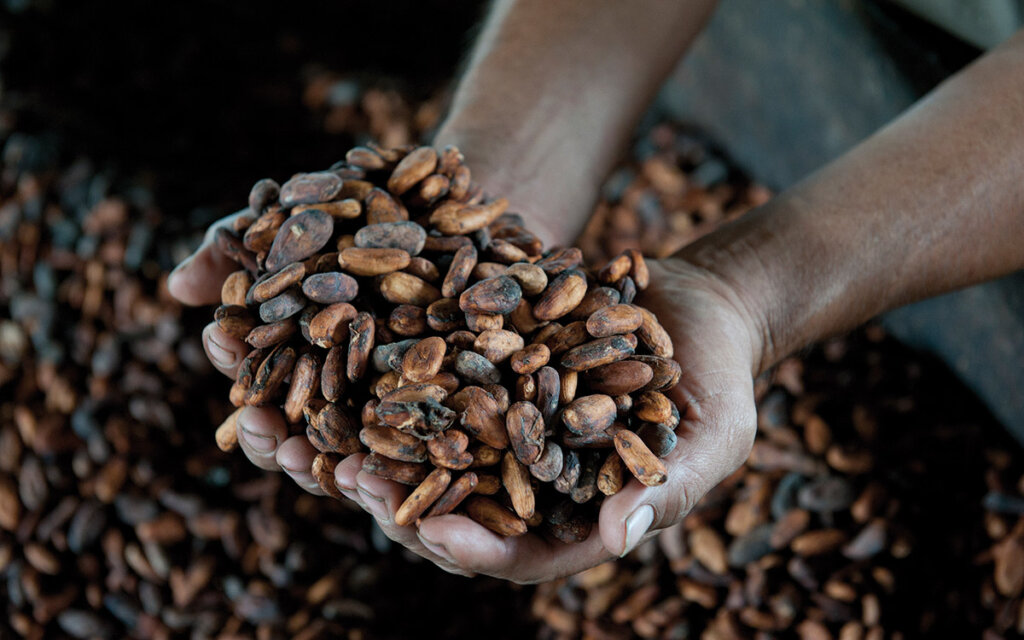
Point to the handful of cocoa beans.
(394, 309)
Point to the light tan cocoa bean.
(236, 285)
(408, 473)
(365, 158)
(407, 320)
(644, 465)
(284, 305)
(653, 335)
(597, 352)
(453, 497)
(414, 167)
(463, 263)
(270, 376)
(382, 208)
(453, 219)
(424, 270)
(596, 299)
(484, 456)
(263, 194)
(278, 282)
(638, 270)
(323, 472)
(227, 433)
(336, 431)
(516, 479)
(485, 270)
(531, 278)
(562, 296)
(235, 320)
(373, 262)
(330, 287)
(549, 388)
(561, 260)
(423, 360)
(568, 337)
(483, 418)
(613, 320)
(393, 444)
(589, 414)
(476, 368)
(522, 318)
(299, 237)
(308, 188)
(665, 372)
(525, 428)
(618, 378)
(493, 516)
(569, 383)
(405, 288)
(653, 406)
(360, 344)
(347, 209)
(423, 419)
(529, 359)
(331, 325)
(818, 542)
(269, 335)
(480, 322)
(423, 496)
(660, 438)
(498, 296)
(498, 345)
(444, 315)
(611, 477)
(616, 269)
(305, 383)
(505, 253)
(449, 450)
(549, 465)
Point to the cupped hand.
(263, 431)
(715, 344)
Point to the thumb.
(708, 449)
(198, 279)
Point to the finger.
(261, 430)
(382, 498)
(198, 279)
(524, 559)
(295, 457)
(224, 351)
(345, 477)
(707, 450)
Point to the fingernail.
(375, 505)
(257, 442)
(637, 525)
(436, 548)
(221, 357)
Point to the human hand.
(716, 343)
(263, 433)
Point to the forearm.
(931, 203)
(552, 92)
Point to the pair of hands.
(716, 342)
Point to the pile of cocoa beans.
(392, 308)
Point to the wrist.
(553, 189)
